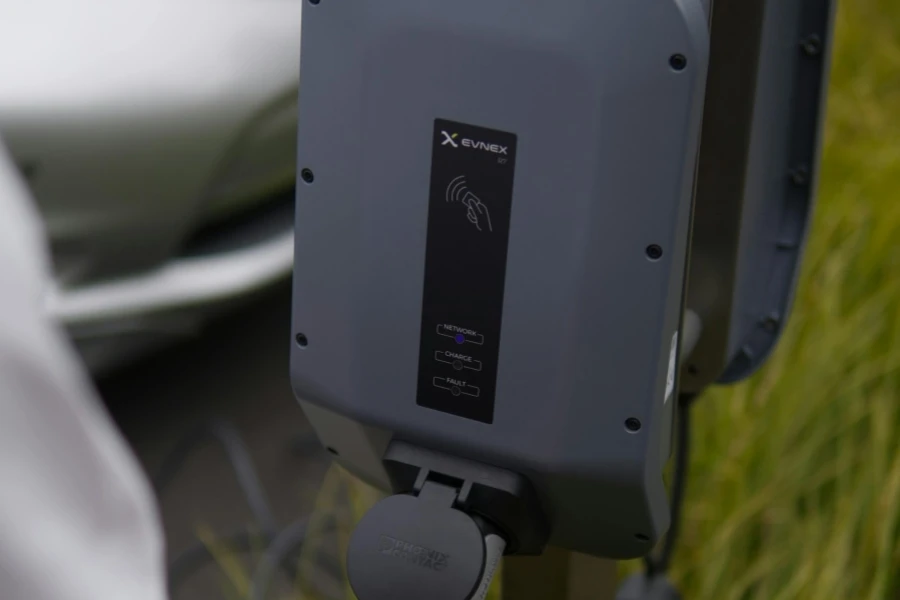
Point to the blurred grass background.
(795, 479)
(794, 491)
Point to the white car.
(158, 139)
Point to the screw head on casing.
(812, 45)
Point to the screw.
(770, 323)
(302, 341)
(678, 62)
(654, 252)
(307, 176)
(812, 45)
(314, 2)
(632, 425)
(799, 175)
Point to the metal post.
(558, 575)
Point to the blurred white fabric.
(78, 520)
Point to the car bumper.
(113, 322)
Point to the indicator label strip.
(469, 207)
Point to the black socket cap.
(406, 548)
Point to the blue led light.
(460, 338)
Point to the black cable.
(660, 564)
(240, 460)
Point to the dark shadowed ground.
(238, 371)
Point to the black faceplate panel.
(472, 174)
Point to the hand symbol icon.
(476, 210)
(478, 213)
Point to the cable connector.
(417, 546)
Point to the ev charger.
(493, 231)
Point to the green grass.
(795, 482)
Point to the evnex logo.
(452, 139)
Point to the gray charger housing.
(492, 232)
